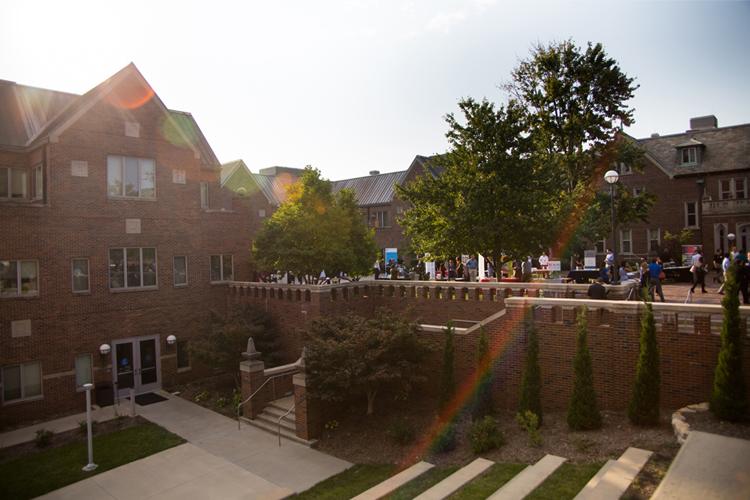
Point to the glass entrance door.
(136, 365)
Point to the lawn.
(422, 483)
(39, 473)
(349, 483)
(565, 482)
(489, 482)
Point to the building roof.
(26, 110)
(372, 189)
(724, 149)
(273, 187)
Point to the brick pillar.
(251, 374)
(306, 410)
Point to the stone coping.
(619, 305)
(679, 424)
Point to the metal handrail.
(290, 410)
(239, 406)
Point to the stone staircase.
(268, 420)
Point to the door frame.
(137, 386)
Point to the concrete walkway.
(708, 466)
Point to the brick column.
(306, 410)
(251, 374)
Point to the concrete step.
(615, 476)
(455, 481)
(273, 430)
(394, 482)
(278, 412)
(528, 479)
(273, 420)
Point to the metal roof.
(372, 189)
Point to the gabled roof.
(26, 110)
(273, 187)
(372, 189)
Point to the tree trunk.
(371, 401)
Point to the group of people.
(453, 269)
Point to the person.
(725, 263)
(717, 261)
(597, 291)
(471, 267)
(604, 272)
(451, 269)
(460, 269)
(526, 269)
(655, 270)
(743, 275)
(699, 273)
(322, 279)
(643, 270)
(577, 262)
(544, 263)
(376, 269)
(623, 273)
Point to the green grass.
(349, 483)
(422, 483)
(489, 482)
(565, 482)
(48, 470)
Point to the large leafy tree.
(316, 230)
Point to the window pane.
(131, 176)
(149, 267)
(80, 275)
(204, 195)
(180, 270)
(116, 268)
(183, 355)
(8, 277)
(739, 188)
(29, 283)
(227, 267)
(134, 267)
(216, 268)
(38, 183)
(17, 183)
(11, 383)
(83, 369)
(148, 183)
(114, 175)
(4, 183)
(32, 380)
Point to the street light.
(612, 177)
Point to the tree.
(729, 396)
(583, 412)
(531, 383)
(448, 377)
(673, 244)
(222, 344)
(316, 230)
(483, 396)
(352, 355)
(644, 405)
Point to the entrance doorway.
(743, 237)
(136, 365)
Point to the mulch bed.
(705, 421)
(215, 393)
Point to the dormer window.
(689, 156)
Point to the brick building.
(114, 234)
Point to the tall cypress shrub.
(583, 412)
(483, 397)
(531, 383)
(448, 378)
(644, 405)
(729, 395)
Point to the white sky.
(352, 86)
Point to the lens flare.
(130, 95)
(179, 130)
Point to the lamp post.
(611, 176)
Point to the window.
(204, 194)
(626, 241)
(689, 156)
(22, 381)
(601, 246)
(80, 274)
(381, 218)
(38, 186)
(262, 213)
(183, 354)
(13, 182)
(131, 177)
(222, 268)
(740, 188)
(83, 370)
(654, 239)
(691, 214)
(179, 267)
(625, 169)
(19, 278)
(637, 191)
(132, 268)
(730, 189)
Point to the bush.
(448, 378)
(482, 404)
(402, 432)
(485, 435)
(583, 412)
(445, 441)
(644, 406)
(43, 438)
(729, 394)
(83, 428)
(531, 383)
(529, 422)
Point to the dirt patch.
(72, 436)
(646, 482)
(217, 393)
(705, 421)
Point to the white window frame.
(189, 365)
(623, 239)
(732, 193)
(692, 153)
(125, 269)
(23, 397)
(221, 267)
(122, 194)
(174, 273)
(38, 183)
(649, 239)
(695, 206)
(19, 286)
(381, 217)
(744, 187)
(88, 275)
(79, 387)
(205, 198)
(9, 178)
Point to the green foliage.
(236, 398)
(482, 404)
(83, 428)
(316, 230)
(485, 435)
(402, 432)
(583, 412)
(222, 344)
(352, 355)
(729, 395)
(448, 374)
(673, 244)
(644, 405)
(43, 438)
(529, 421)
(201, 396)
(445, 440)
(531, 383)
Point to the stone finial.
(301, 360)
(251, 354)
